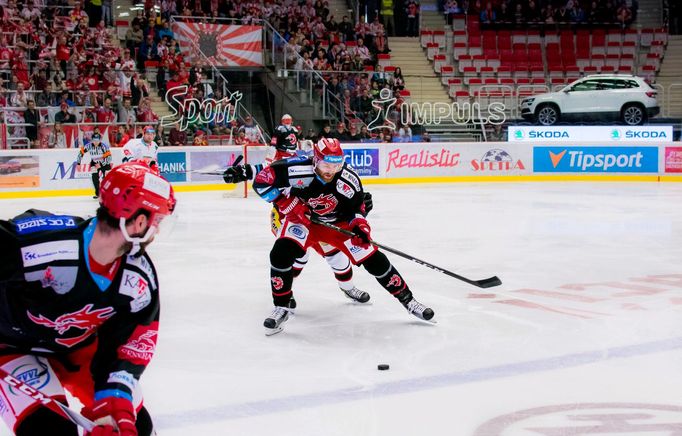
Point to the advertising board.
(596, 159)
(594, 134)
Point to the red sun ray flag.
(225, 45)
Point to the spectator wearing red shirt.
(6, 54)
(105, 117)
(63, 52)
(20, 66)
(177, 137)
(91, 79)
(122, 136)
(174, 94)
(145, 113)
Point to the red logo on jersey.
(84, 319)
(277, 283)
(141, 345)
(266, 176)
(324, 204)
(291, 139)
(395, 281)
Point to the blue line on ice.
(265, 407)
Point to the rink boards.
(26, 173)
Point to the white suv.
(629, 99)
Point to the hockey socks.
(280, 284)
(380, 267)
(282, 257)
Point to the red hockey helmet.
(132, 186)
(328, 158)
(328, 150)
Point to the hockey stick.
(217, 173)
(55, 406)
(485, 283)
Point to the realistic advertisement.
(441, 159)
(601, 134)
(673, 160)
(595, 159)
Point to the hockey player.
(326, 188)
(142, 149)
(100, 157)
(336, 259)
(285, 140)
(81, 307)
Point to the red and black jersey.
(51, 301)
(285, 138)
(338, 200)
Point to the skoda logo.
(518, 134)
(615, 134)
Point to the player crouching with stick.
(327, 189)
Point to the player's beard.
(326, 176)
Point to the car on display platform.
(628, 99)
(10, 166)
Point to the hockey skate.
(356, 295)
(273, 323)
(419, 310)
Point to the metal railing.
(330, 103)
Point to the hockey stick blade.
(485, 283)
(39, 397)
(489, 282)
(236, 162)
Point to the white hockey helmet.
(287, 120)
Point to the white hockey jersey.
(137, 150)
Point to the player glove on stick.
(361, 228)
(294, 209)
(238, 174)
(113, 416)
(367, 204)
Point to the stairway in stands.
(123, 14)
(669, 75)
(649, 13)
(420, 78)
(339, 8)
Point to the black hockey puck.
(382, 367)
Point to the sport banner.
(225, 45)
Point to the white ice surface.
(591, 338)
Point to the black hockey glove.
(238, 174)
(367, 204)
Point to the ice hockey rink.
(583, 337)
